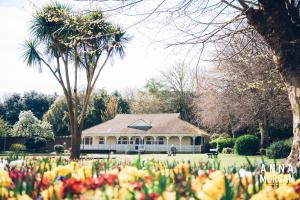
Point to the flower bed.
(55, 179)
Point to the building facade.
(149, 133)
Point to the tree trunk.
(74, 130)
(75, 144)
(287, 60)
(264, 132)
(273, 21)
(76, 137)
(294, 96)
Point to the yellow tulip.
(3, 193)
(4, 179)
(50, 175)
(21, 197)
(267, 193)
(286, 192)
(63, 170)
(53, 190)
(169, 195)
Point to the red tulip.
(154, 196)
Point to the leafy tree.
(12, 107)
(78, 39)
(58, 117)
(30, 126)
(38, 103)
(96, 110)
(123, 105)
(102, 107)
(5, 128)
(2, 109)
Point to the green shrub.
(227, 150)
(213, 143)
(280, 149)
(225, 143)
(67, 151)
(262, 151)
(277, 134)
(257, 134)
(221, 143)
(246, 145)
(59, 148)
(17, 147)
(35, 143)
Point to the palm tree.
(65, 42)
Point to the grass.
(226, 160)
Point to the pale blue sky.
(145, 57)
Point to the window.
(122, 140)
(131, 141)
(88, 140)
(140, 124)
(101, 140)
(149, 141)
(160, 140)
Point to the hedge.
(280, 149)
(35, 143)
(246, 145)
(222, 143)
(225, 143)
(227, 150)
(59, 148)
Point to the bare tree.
(150, 99)
(180, 80)
(251, 92)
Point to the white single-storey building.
(144, 133)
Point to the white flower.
(244, 173)
(16, 163)
(3, 164)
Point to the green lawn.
(226, 160)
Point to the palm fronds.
(30, 53)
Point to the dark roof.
(167, 123)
